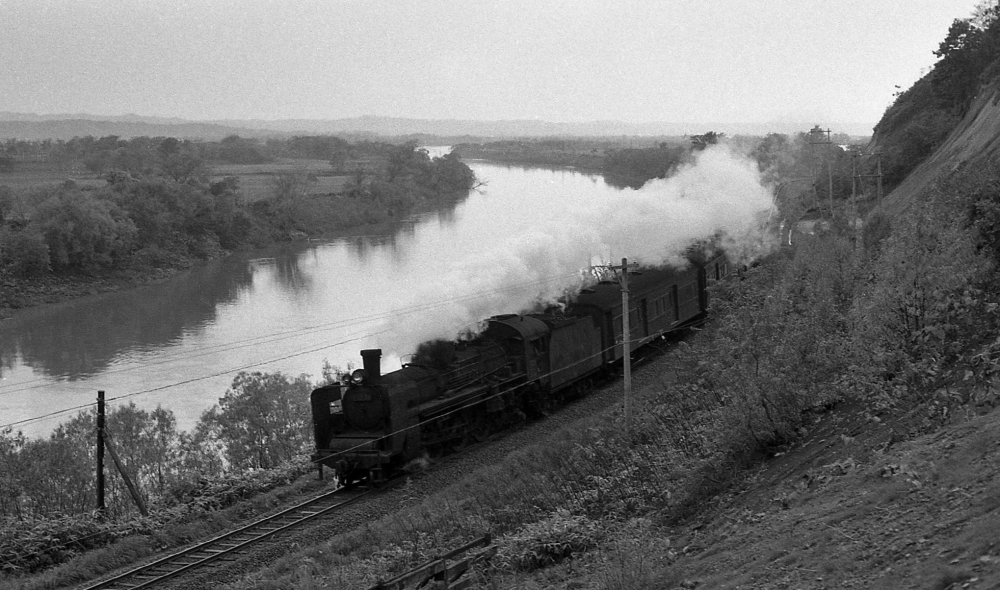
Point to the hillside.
(948, 119)
(975, 141)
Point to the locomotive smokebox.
(372, 362)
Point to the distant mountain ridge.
(69, 128)
(66, 126)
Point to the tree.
(169, 146)
(6, 203)
(23, 252)
(262, 420)
(288, 186)
(700, 142)
(956, 75)
(183, 167)
(84, 232)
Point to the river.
(288, 309)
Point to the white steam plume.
(721, 193)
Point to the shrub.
(549, 541)
(23, 253)
(83, 232)
(262, 421)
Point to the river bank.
(17, 294)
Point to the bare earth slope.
(852, 508)
(976, 140)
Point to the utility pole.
(817, 133)
(104, 442)
(861, 177)
(100, 450)
(878, 174)
(626, 338)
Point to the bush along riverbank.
(146, 222)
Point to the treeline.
(780, 157)
(621, 166)
(160, 206)
(921, 118)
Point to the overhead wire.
(278, 336)
(262, 339)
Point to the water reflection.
(80, 339)
(287, 273)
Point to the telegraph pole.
(100, 450)
(878, 174)
(817, 133)
(626, 347)
(626, 338)
(861, 177)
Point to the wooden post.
(626, 346)
(626, 339)
(100, 450)
(128, 481)
(878, 174)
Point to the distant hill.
(66, 126)
(37, 129)
(394, 126)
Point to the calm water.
(179, 344)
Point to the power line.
(275, 337)
(186, 381)
(245, 343)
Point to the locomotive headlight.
(358, 376)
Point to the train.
(371, 425)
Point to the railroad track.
(229, 546)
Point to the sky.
(835, 63)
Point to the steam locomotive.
(371, 424)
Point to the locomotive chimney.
(371, 362)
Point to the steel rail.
(218, 548)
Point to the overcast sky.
(832, 62)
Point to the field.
(255, 180)
(33, 174)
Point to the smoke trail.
(719, 194)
